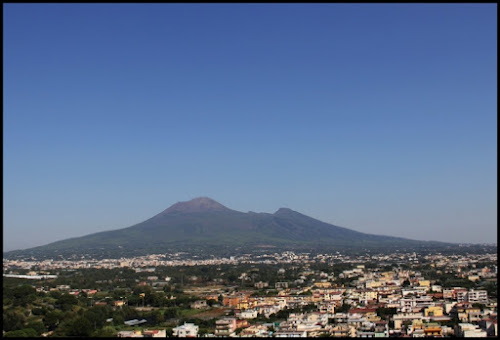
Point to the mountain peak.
(199, 204)
(284, 211)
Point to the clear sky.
(376, 117)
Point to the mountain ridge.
(203, 222)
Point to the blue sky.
(377, 117)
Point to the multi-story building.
(462, 295)
(478, 296)
(225, 326)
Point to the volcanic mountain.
(203, 222)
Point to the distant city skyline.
(381, 118)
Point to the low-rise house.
(433, 311)
(433, 329)
(448, 331)
(340, 317)
(199, 304)
(130, 334)
(290, 334)
(400, 318)
(63, 287)
(187, 330)
(255, 331)
(327, 307)
(242, 323)
(155, 333)
(317, 318)
(467, 330)
(118, 303)
(312, 329)
(267, 310)
(248, 314)
(281, 285)
(322, 284)
(365, 312)
(260, 285)
(465, 314)
(343, 330)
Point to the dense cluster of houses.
(418, 308)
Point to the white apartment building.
(479, 296)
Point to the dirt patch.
(211, 314)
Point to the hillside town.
(283, 294)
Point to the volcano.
(202, 222)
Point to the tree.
(385, 312)
(118, 319)
(13, 320)
(106, 332)
(157, 317)
(39, 311)
(30, 332)
(169, 332)
(23, 295)
(171, 313)
(38, 326)
(96, 316)
(133, 300)
(491, 288)
(80, 327)
(67, 301)
(16, 334)
(344, 308)
(52, 319)
(55, 294)
(22, 333)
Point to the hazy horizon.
(381, 118)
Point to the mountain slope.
(204, 222)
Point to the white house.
(248, 314)
(188, 330)
(467, 330)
